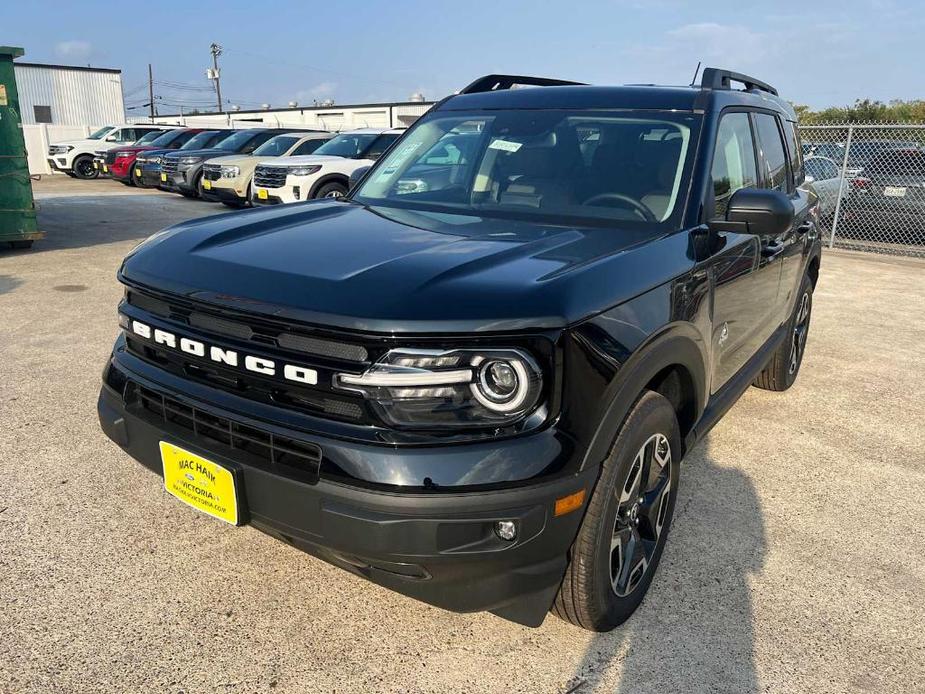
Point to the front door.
(745, 269)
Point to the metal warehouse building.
(69, 95)
(328, 117)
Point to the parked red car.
(118, 162)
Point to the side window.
(309, 146)
(733, 160)
(796, 152)
(379, 145)
(775, 157)
(127, 135)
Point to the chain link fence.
(870, 179)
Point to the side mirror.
(112, 138)
(763, 212)
(356, 176)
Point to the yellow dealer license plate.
(202, 484)
(207, 185)
(105, 169)
(261, 193)
(163, 178)
(96, 165)
(138, 173)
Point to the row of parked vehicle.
(237, 167)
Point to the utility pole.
(151, 90)
(216, 75)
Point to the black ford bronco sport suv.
(473, 379)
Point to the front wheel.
(781, 372)
(332, 190)
(622, 536)
(83, 168)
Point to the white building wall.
(76, 97)
(331, 118)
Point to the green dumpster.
(17, 210)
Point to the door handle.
(772, 250)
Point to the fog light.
(296, 192)
(506, 530)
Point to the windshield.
(149, 138)
(602, 165)
(101, 133)
(347, 145)
(237, 141)
(199, 140)
(276, 146)
(165, 138)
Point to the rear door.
(745, 278)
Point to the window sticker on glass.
(505, 145)
(397, 159)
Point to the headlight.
(463, 388)
(190, 160)
(230, 171)
(303, 170)
(411, 185)
(155, 160)
(123, 155)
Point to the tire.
(783, 368)
(21, 245)
(83, 168)
(197, 189)
(601, 588)
(334, 189)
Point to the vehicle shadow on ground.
(694, 631)
(78, 221)
(8, 283)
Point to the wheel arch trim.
(678, 344)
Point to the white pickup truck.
(324, 174)
(75, 157)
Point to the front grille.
(282, 454)
(265, 337)
(169, 165)
(211, 172)
(260, 331)
(110, 157)
(270, 176)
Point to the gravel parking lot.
(796, 562)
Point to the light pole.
(216, 75)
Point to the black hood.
(207, 153)
(389, 270)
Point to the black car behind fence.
(870, 179)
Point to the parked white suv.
(75, 157)
(324, 174)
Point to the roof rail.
(716, 78)
(490, 83)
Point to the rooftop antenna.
(696, 72)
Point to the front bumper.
(150, 175)
(222, 194)
(437, 547)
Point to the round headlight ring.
(502, 385)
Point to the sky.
(820, 53)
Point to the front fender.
(677, 344)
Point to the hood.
(340, 264)
(95, 144)
(134, 150)
(301, 159)
(204, 153)
(233, 159)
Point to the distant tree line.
(866, 111)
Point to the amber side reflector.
(569, 503)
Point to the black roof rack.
(716, 78)
(491, 83)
